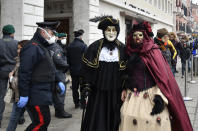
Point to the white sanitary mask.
(64, 41)
(111, 33)
(52, 39)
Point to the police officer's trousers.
(40, 118)
(3, 89)
(59, 99)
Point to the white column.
(12, 13)
(94, 33)
(33, 12)
(23, 15)
(81, 17)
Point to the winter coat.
(8, 51)
(184, 54)
(75, 52)
(59, 59)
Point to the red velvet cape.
(163, 76)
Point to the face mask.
(138, 37)
(64, 41)
(111, 33)
(52, 39)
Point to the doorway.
(63, 27)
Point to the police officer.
(62, 41)
(8, 52)
(75, 51)
(60, 61)
(37, 75)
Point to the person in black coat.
(75, 51)
(59, 58)
(8, 52)
(184, 55)
(37, 75)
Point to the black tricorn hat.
(78, 33)
(105, 21)
(48, 25)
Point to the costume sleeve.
(88, 74)
(88, 71)
(173, 50)
(29, 57)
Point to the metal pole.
(196, 65)
(186, 98)
(185, 75)
(192, 81)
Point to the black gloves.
(159, 105)
(86, 90)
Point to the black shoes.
(62, 114)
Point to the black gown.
(104, 101)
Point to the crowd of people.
(123, 87)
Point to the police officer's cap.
(8, 29)
(78, 33)
(60, 35)
(48, 25)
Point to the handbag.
(8, 95)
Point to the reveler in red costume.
(157, 103)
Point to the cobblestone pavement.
(73, 124)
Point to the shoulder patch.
(34, 43)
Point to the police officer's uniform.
(60, 61)
(75, 51)
(8, 52)
(36, 79)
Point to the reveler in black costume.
(102, 69)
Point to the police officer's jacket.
(8, 53)
(36, 72)
(59, 59)
(75, 51)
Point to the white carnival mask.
(111, 33)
